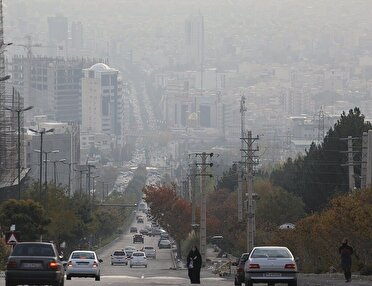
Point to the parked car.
(138, 238)
(34, 263)
(240, 274)
(119, 257)
(165, 243)
(129, 250)
(83, 263)
(138, 258)
(149, 251)
(140, 220)
(270, 264)
(133, 229)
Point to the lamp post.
(55, 169)
(69, 176)
(81, 181)
(42, 131)
(46, 174)
(19, 110)
(93, 177)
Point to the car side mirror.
(297, 259)
(100, 260)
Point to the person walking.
(194, 263)
(346, 251)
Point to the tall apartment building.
(194, 40)
(51, 85)
(102, 100)
(77, 38)
(57, 32)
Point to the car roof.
(270, 247)
(89, 251)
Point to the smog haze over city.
(190, 75)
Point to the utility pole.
(88, 182)
(192, 182)
(241, 169)
(203, 200)
(250, 162)
(369, 161)
(363, 171)
(350, 160)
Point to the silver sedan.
(270, 264)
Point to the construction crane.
(29, 45)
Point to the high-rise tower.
(194, 40)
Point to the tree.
(170, 211)
(28, 216)
(319, 175)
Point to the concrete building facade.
(102, 100)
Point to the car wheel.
(236, 282)
(248, 283)
(62, 283)
(98, 278)
(292, 283)
(68, 277)
(131, 266)
(145, 266)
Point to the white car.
(270, 264)
(83, 263)
(138, 258)
(149, 251)
(119, 257)
(129, 250)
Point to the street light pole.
(18, 110)
(69, 177)
(55, 169)
(41, 132)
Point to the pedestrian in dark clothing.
(346, 251)
(194, 263)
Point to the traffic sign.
(11, 237)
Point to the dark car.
(138, 238)
(34, 263)
(140, 220)
(133, 229)
(240, 275)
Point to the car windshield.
(149, 247)
(271, 253)
(82, 255)
(33, 250)
(138, 254)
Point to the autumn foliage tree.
(317, 237)
(169, 210)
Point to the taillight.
(69, 264)
(53, 265)
(11, 264)
(95, 264)
(254, 266)
(290, 266)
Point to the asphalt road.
(159, 270)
